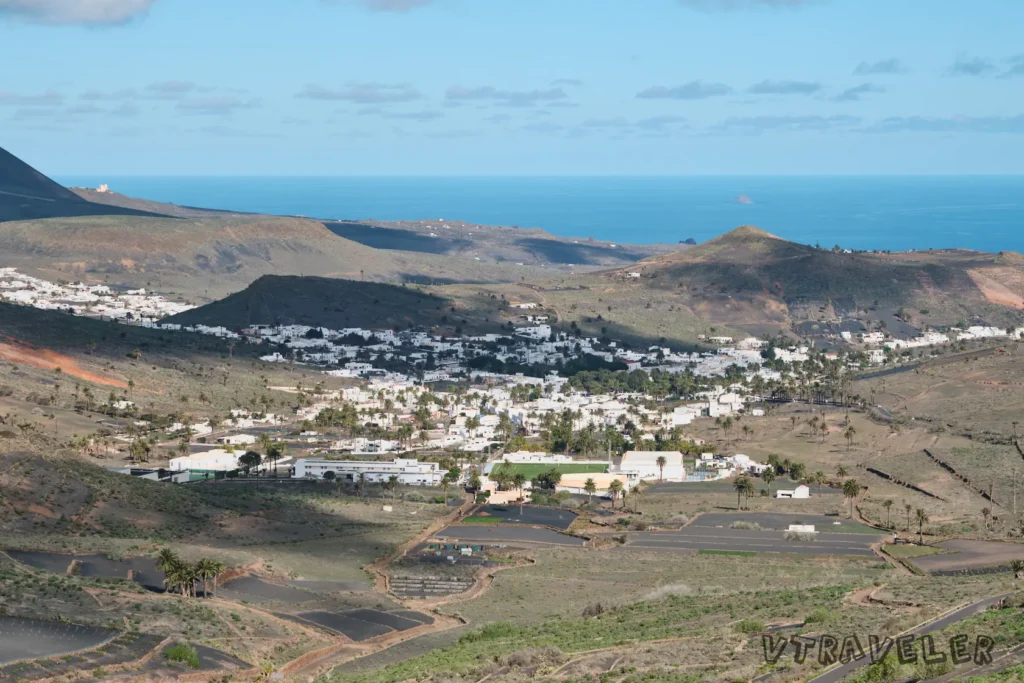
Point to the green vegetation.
(183, 653)
(749, 626)
(906, 551)
(531, 470)
(480, 519)
(674, 616)
(740, 553)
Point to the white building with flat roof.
(409, 471)
(643, 465)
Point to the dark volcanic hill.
(749, 276)
(26, 194)
(337, 304)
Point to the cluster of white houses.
(95, 301)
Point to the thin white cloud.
(784, 88)
(50, 98)
(745, 4)
(694, 90)
(855, 93)
(509, 98)
(880, 68)
(397, 6)
(362, 93)
(1005, 125)
(219, 105)
(86, 12)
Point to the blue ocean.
(864, 212)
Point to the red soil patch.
(41, 511)
(14, 351)
(996, 292)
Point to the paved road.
(839, 673)
(507, 533)
(698, 538)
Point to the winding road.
(840, 672)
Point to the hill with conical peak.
(339, 303)
(748, 277)
(26, 194)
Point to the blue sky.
(518, 87)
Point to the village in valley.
(480, 452)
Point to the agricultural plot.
(361, 624)
(257, 590)
(121, 649)
(332, 586)
(965, 556)
(32, 638)
(143, 570)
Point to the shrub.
(183, 653)
(746, 526)
(818, 616)
(492, 631)
(593, 610)
(800, 536)
(749, 626)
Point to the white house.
(638, 465)
(409, 471)
(217, 459)
(237, 440)
(800, 491)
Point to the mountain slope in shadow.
(27, 194)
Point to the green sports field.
(532, 469)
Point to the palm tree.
(393, 483)
(661, 462)
(637, 491)
(207, 569)
(841, 472)
(922, 517)
(615, 488)
(167, 559)
(887, 505)
(908, 507)
(518, 483)
(590, 488)
(819, 479)
(742, 486)
(768, 476)
(273, 454)
(849, 434)
(446, 481)
(851, 489)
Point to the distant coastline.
(856, 212)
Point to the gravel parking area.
(531, 515)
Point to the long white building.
(409, 471)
